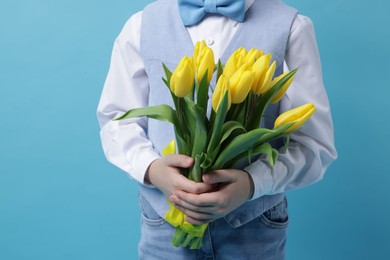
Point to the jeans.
(262, 238)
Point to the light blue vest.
(164, 39)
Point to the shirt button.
(209, 41)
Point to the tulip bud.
(260, 68)
(253, 55)
(298, 116)
(222, 86)
(242, 52)
(241, 84)
(268, 77)
(235, 61)
(204, 61)
(182, 78)
(283, 90)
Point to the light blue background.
(60, 199)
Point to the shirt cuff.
(262, 178)
(141, 164)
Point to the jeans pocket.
(277, 216)
(149, 215)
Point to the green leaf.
(265, 148)
(167, 82)
(168, 74)
(200, 138)
(195, 115)
(183, 147)
(230, 130)
(274, 133)
(275, 156)
(250, 154)
(206, 163)
(188, 111)
(218, 123)
(238, 145)
(244, 142)
(202, 95)
(219, 70)
(197, 170)
(159, 112)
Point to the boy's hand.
(235, 188)
(164, 173)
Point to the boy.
(247, 213)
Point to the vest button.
(209, 41)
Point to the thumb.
(217, 177)
(178, 160)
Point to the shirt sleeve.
(311, 149)
(125, 142)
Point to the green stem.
(196, 243)
(196, 170)
(180, 112)
(178, 237)
(233, 112)
(286, 144)
(187, 240)
(249, 113)
(211, 121)
(259, 106)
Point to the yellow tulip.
(268, 78)
(222, 86)
(241, 84)
(253, 55)
(283, 90)
(204, 60)
(235, 61)
(231, 65)
(298, 116)
(182, 78)
(242, 52)
(260, 68)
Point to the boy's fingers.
(199, 222)
(194, 214)
(198, 200)
(217, 177)
(178, 160)
(192, 187)
(183, 204)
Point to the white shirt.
(311, 151)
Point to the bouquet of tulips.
(230, 132)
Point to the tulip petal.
(182, 79)
(297, 116)
(283, 90)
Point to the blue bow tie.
(193, 11)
